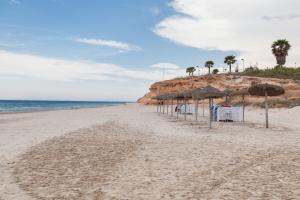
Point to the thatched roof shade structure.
(266, 90)
(210, 93)
(228, 93)
(238, 92)
(162, 98)
(185, 95)
(171, 96)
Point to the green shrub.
(276, 72)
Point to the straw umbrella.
(172, 96)
(266, 90)
(180, 96)
(238, 92)
(177, 97)
(158, 108)
(164, 103)
(242, 93)
(162, 99)
(210, 93)
(196, 101)
(228, 93)
(169, 97)
(185, 96)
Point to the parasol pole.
(159, 104)
(160, 107)
(177, 108)
(210, 102)
(172, 107)
(203, 108)
(185, 109)
(167, 107)
(267, 109)
(196, 109)
(243, 99)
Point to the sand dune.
(131, 152)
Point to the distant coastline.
(26, 106)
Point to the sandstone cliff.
(226, 81)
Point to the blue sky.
(132, 37)
(49, 27)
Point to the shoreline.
(133, 152)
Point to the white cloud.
(109, 43)
(248, 27)
(25, 76)
(164, 66)
(38, 67)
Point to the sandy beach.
(132, 152)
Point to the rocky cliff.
(225, 81)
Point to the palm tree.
(190, 71)
(280, 50)
(209, 64)
(230, 60)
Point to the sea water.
(11, 106)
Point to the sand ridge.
(76, 165)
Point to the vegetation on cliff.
(276, 72)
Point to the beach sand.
(131, 152)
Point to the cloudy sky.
(114, 50)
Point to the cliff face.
(222, 82)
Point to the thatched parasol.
(171, 97)
(207, 92)
(266, 90)
(210, 93)
(227, 93)
(158, 108)
(159, 99)
(185, 96)
(162, 98)
(239, 92)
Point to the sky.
(115, 49)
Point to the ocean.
(13, 106)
